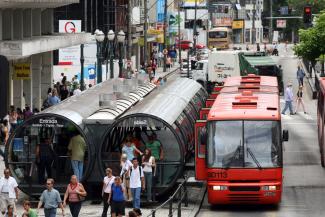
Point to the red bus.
(321, 120)
(239, 148)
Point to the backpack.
(140, 170)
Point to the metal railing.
(180, 196)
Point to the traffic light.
(307, 15)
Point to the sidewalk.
(195, 195)
(160, 73)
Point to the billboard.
(174, 20)
(69, 55)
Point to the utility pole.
(179, 34)
(271, 22)
(165, 34)
(145, 33)
(129, 25)
(85, 14)
(253, 25)
(194, 27)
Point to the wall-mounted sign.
(22, 71)
(281, 23)
(49, 122)
(224, 21)
(238, 24)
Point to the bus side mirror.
(285, 136)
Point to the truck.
(223, 64)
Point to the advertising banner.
(22, 71)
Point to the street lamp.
(188, 59)
(111, 37)
(120, 40)
(100, 37)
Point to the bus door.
(200, 149)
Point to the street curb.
(171, 72)
(199, 203)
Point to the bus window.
(218, 34)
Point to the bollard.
(185, 197)
(179, 209)
(170, 207)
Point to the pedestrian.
(299, 100)
(129, 148)
(28, 113)
(74, 195)
(10, 212)
(137, 212)
(125, 175)
(148, 163)
(77, 90)
(300, 76)
(51, 200)
(54, 98)
(28, 211)
(136, 182)
(288, 96)
(153, 66)
(116, 198)
(64, 92)
(4, 132)
(77, 148)
(160, 59)
(8, 191)
(44, 158)
(13, 116)
(258, 48)
(107, 189)
(132, 214)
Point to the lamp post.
(100, 37)
(188, 60)
(111, 37)
(120, 40)
(82, 61)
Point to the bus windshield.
(244, 144)
(218, 34)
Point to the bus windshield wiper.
(254, 158)
(233, 157)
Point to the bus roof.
(246, 106)
(250, 87)
(251, 79)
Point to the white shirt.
(125, 167)
(76, 92)
(11, 183)
(108, 183)
(148, 165)
(135, 177)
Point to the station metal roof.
(166, 103)
(78, 108)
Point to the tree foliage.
(312, 41)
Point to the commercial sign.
(281, 23)
(191, 3)
(174, 20)
(238, 24)
(224, 21)
(22, 71)
(69, 55)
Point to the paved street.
(304, 178)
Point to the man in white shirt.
(8, 191)
(107, 187)
(136, 182)
(77, 91)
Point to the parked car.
(185, 45)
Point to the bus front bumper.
(244, 193)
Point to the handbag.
(80, 197)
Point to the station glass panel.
(39, 150)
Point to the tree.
(312, 41)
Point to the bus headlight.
(269, 188)
(219, 188)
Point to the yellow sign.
(160, 38)
(22, 71)
(237, 24)
(154, 31)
